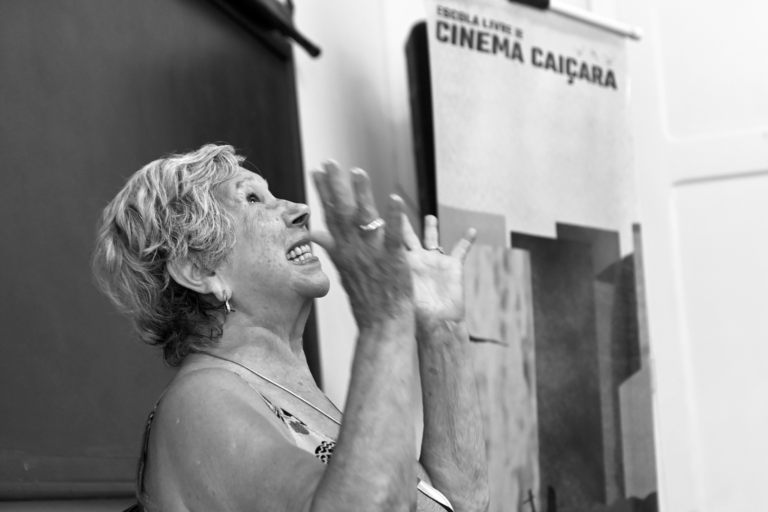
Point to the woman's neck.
(268, 336)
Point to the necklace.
(278, 385)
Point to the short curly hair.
(167, 212)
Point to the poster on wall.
(533, 149)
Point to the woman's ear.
(192, 276)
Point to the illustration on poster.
(487, 42)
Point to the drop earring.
(229, 308)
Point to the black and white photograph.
(383, 255)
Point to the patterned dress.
(306, 438)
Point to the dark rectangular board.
(90, 91)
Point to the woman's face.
(272, 258)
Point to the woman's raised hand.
(438, 278)
(371, 262)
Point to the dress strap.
(140, 493)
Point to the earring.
(229, 308)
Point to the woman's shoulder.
(206, 402)
(213, 435)
(205, 381)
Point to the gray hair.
(167, 212)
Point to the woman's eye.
(253, 198)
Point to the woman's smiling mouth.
(300, 255)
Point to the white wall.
(700, 125)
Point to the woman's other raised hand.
(438, 277)
(372, 262)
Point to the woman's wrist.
(393, 325)
(441, 330)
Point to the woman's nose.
(296, 215)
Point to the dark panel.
(420, 89)
(538, 4)
(567, 371)
(606, 265)
(625, 344)
(604, 244)
(90, 92)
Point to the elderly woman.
(220, 273)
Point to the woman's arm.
(453, 448)
(373, 464)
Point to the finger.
(410, 238)
(340, 186)
(323, 190)
(462, 247)
(393, 238)
(321, 185)
(430, 232)
(366, 205)
(323, 239)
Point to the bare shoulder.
(214, 439)
(210, 395)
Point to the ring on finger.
(436, 248)
(373, 225)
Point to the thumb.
(323, 239)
